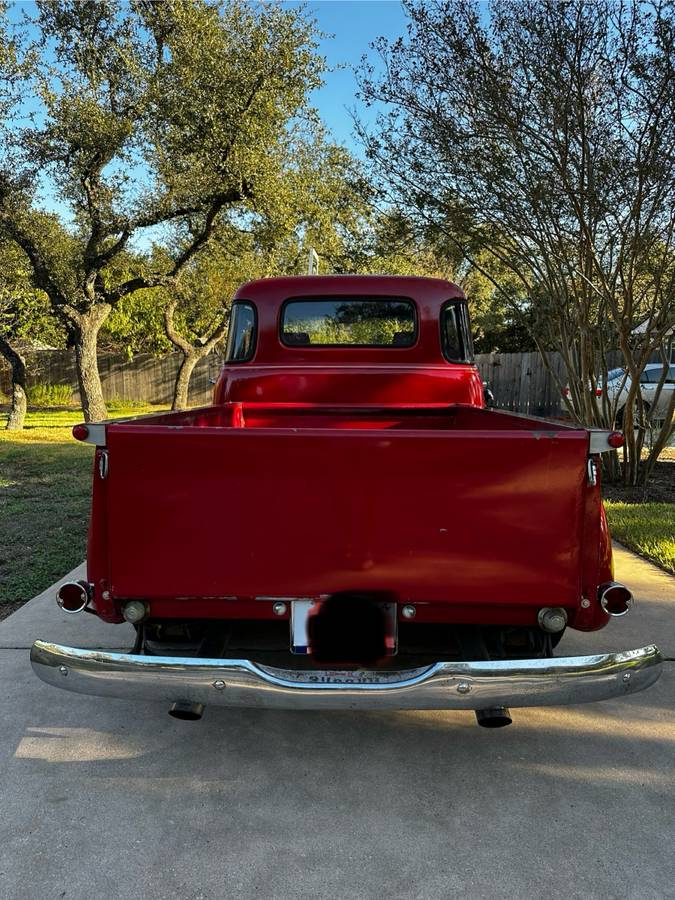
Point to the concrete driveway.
(107, 799)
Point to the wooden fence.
(519, 381)
(144, 378)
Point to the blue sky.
(353, 24)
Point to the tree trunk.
(87, 327)
(17, 410)
(664, 436)
(191, 353)
(182, 385)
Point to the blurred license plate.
(303, 610)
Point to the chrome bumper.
(444, 685)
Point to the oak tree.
(156, 119)
(25, 320)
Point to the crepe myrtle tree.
(154, 118)
(543, 135)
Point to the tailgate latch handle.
(592, 472)
(103, 464)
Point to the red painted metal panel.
(97, 546)
(280, 494)
(479, 516)
(351, 384)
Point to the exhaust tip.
(188, 712)
(493, 717)
(615, 598)
(73, 596)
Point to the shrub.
(116, 403)
(50, 395)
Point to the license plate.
(302, 611)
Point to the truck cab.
(350, 339)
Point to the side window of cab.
(456, 340)
(242, 333)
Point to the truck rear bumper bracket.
(444, 685)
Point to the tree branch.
(42, 276)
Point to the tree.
(319, 200)
(11, 70)
(325, 203)
(25, 317)
(156, 117)
(196, 312)
(543, 135)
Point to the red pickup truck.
(348, 526)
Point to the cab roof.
(273, 291)
(269, 294)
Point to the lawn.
(45, 490)
(646, 528)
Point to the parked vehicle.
(348, 526)
(619, 383)
(619, 386)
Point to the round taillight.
(80, 432)
(72, 597)
(616, 439)
(615, 598)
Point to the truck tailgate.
(489, 516)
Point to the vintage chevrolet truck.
(348, 526)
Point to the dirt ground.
(661, 487)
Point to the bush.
(115, 404)
(50, 395)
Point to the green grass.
(646, 528)
(45, 492)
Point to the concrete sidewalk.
(108, 799)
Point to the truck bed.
(457, 505)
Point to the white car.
(617, 389)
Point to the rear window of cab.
(348, 322)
